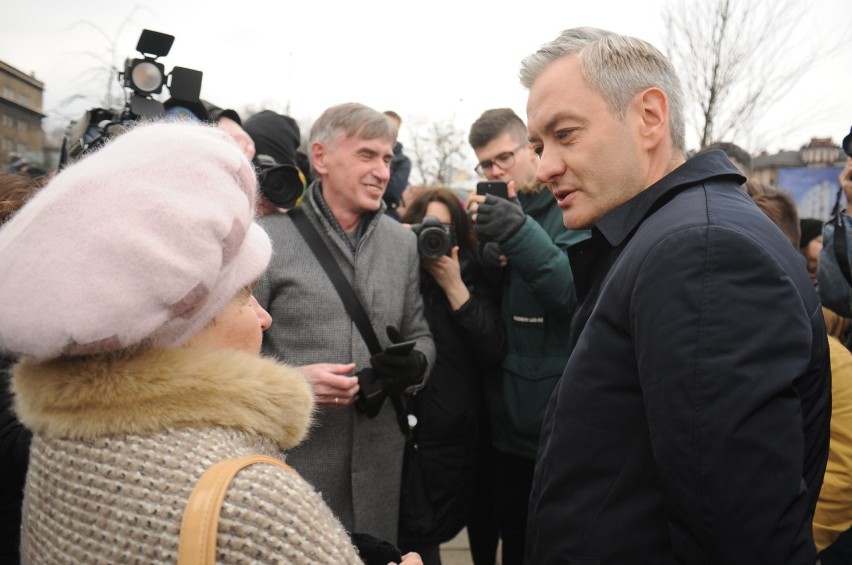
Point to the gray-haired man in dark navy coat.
(691, 423)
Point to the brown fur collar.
(85, 398)
(533, 187)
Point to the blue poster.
(814, 190)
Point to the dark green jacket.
(537, 303)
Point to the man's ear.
(318, 154)
(653, 107)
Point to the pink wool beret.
(145, 240)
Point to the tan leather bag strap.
(200, 522)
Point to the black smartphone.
(495, 187)
(400, 348)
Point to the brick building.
(810, 175)
(21, 98)
(819, 152)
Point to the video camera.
(142, 78)
(434, 239)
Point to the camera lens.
(434, 242)
(282, 185)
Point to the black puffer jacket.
(470, 344)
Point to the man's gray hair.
(615, 66)
(352, 119)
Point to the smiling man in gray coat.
(353, 460)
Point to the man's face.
(522, 169)
(846, 181)
(589, 159)
(354, 172)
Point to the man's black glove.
(489, 255)
(374, 551)
(399, 371)
(497, 219)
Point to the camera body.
(434, 239)
(141, 78)
(281, 184)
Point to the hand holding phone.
(403, 348)
(498, 188)
(496, 219)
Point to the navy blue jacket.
(691, 424)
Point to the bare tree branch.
(105, 69)
(436, 151)
(737, 58)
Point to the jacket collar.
(325, 215)
(618, 223)
(533, 202)
(88, 398)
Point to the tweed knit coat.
(118, 446)
(354, 461)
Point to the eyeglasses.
(503, 160)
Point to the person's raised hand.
(498, 219)
(446, 270)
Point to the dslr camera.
(433, 238)
(142, 78)
(281, 184)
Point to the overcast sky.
(442, 59)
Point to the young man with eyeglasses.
(537, 303)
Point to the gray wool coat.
(355, 462)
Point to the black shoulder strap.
(344, 289)
(350, 299)
(840, 249)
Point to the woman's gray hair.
(615, 66)
(351, 119)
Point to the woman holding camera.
(462, 312)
